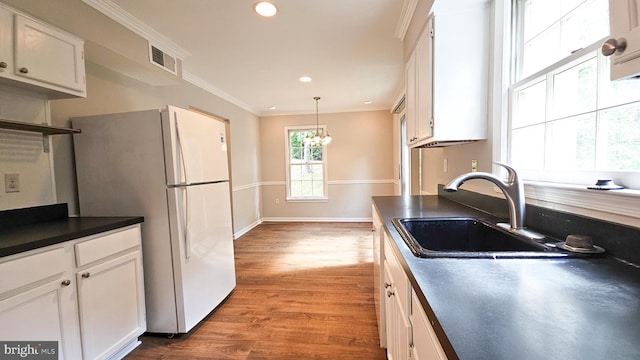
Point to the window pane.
(620, 91)
(527, 147)
(553, 29)
(584, 26)
(296, 188)
(571, 143)
(621, 128)
(542, 51)
(530, 105)
(575, 89)
(539, 15)
(316, 153)
(295, 172)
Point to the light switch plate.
(11, 183)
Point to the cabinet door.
(46, 312)
(6, 41)
(47, 55)
(390, 315)
(424, 83)
(624, 21)
(425, 342)
(111, 303)
(411, 99)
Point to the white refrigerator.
(171, 167)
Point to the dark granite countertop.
(581, 308)
(27, 229)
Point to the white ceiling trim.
(199, 82)
(119, 15)
(408, 9)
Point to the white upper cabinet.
(418, 77)
(624, 44)
(39, 57)
(448, 76)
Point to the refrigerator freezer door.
(195, 147)
(204, 268)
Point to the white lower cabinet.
(38, 300)
(397, 306)
(96, 314)
(425, 343)
(110, 294)
(409, 334)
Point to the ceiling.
(348, 47)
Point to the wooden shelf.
(44, 129)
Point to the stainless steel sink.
(471, 238)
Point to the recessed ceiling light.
(265, 8)
(272, 108)
(305, 79)
(367, 102)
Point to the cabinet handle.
(612, 46)
(86, 275)
(24, 70)
(65, 283)
(3, 65)
(387, 285)
(390, 293)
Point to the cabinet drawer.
(101, 247)
(31, 268)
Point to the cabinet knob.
(65, 283)
(24, 70)
(390, 293)
(612, 46)
(3, 65)
(387, 285)
(86, 275)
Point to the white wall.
(22, 152)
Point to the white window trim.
(619, 206)
(325, 183)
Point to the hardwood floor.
(304, 291)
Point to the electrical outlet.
(11, 183)
(474, 165)
(277, 201)
(445, 165)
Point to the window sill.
(309, 200)
(611, 205)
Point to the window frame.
(617, 206)
(289, 197)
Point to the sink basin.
(471, 238)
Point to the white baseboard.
(305, 219)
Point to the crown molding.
(199, 82)
(408, 9)
(119, 15)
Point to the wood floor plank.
(304, 291)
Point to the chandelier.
(319, 138)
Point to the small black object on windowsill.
(606, 184)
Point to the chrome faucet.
(513, 190)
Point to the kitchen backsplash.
(618, 240)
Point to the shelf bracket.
(45, 142)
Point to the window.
(568, 123)
(306, 166)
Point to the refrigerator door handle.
(180, 150)
(185, 231)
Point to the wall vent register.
(162, 59)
